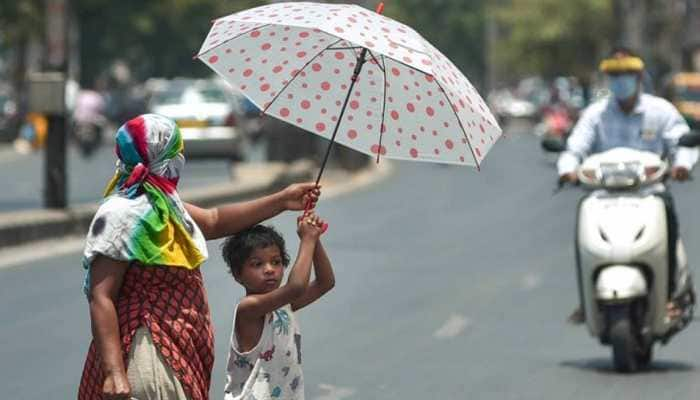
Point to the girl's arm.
(254, 306)
(232, 218)
(322, 284)
(106, 276)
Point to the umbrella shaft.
(358, 68)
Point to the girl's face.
(262, 272)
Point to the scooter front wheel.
(624, 344)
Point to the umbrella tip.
(380, 7)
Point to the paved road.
(451, 284)
(22, 176)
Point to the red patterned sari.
(171, 303)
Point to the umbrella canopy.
(335, 68)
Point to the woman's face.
(263, 271)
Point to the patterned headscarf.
(145, 220)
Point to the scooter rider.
(631, 118)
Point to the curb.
(253, 180)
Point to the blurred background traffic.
(534, 61)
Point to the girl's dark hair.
(237, 248)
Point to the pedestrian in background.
(152, 333)
(264, 360)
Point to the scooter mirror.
(690, 139)
(553, 145)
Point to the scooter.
(622, 262)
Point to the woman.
(152, 333)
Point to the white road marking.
(454, 326)
(334, 392)
(531, 281)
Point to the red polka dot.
(301, 54)
(478, 152)
(425, 61)
(449, 144)
(339, 29)
(255, 34)
(320, 127)
(265, 87)
(436, 151)
(429, 78)
(316, 67)
(354, 104)
(430, 111)
(213, 59)
(352, 134)
(284, 112)
(305, 104)
(407, 60)
(482, 128)
(369, 44)
(410, 107)
(277, 69)
(414, 153)
(395, 71)
(377, 149)
(304, 34)
(248, 72)
(339, 55)
(394, 115)
(266, 46)
(326, 86)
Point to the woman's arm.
(232, 218)
(106, 276)
(322, 284)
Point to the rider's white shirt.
(654, 125)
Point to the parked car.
(208, 114)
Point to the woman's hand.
(296, 197)
(116, 386)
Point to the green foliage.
(154, 37)
(455, 27)
(19, 19)
(551, 37)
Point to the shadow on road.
(605, 366)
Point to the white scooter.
(622, 257)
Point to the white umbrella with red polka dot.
(353, 76)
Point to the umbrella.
(355, 77)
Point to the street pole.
(56, 60)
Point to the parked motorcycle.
(622, 261)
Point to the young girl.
(149, 312)
(264, 359)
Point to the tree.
(155, 38)
(455, 27)
(552, 37)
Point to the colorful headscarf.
(145, 220)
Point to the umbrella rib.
(381, 125)
(297, 74)
(375, 60)
(230, 39)
(464, 131)
(345, 48)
